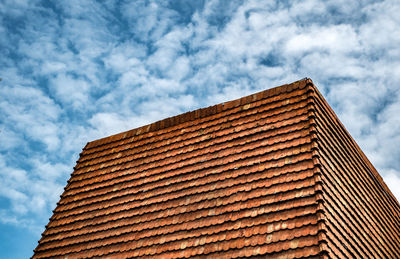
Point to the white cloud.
(70, 90)
(125, 57)
(392, 179)
(53, 67)
(17, 7)
(30, 109)
(109, 123)
(180, 68)
(148, 20)
(30, 192)
(336, 39)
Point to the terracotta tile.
(273, 174)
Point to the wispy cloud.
(75, 71)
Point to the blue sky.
(74, 71)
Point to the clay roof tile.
(271, 174)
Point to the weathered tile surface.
(272, 174)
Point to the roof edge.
(318, 187)
(358, 150)
(199, 113)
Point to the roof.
(271, 174)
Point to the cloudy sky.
(75, 71)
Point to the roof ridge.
(319, 102)
(322, 239)
(362, 155)
(199, 113)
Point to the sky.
(75, 71)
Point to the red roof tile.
(271, 174)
